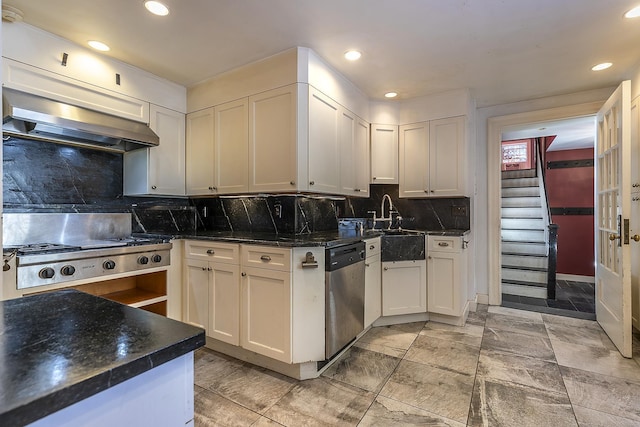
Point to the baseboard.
(482, 299)
(575, 278)
(401, 318)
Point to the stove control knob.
(156, 258)
(67, 270)
(47, 273)
(109, 265)
(143, 260)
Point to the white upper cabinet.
(231, 144)
(447, 164)
(354, 155)
(199, 153)
(217, 149)
(158, 170)
(325, 120)
(432, 158)
(273, 147)
(384, 154)
(414, 160)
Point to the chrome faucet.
(382, 217)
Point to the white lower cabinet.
(404, 287)
(212, 294)
(445, 272)
(266, 312)
(264, 299)
(372, 282)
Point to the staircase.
(524, 235)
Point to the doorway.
(496, 127)
(547, 179)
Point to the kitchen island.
(70, 358)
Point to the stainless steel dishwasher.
(344, 286)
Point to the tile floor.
(573, 299)
(506, 367)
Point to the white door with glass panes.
(613, 209)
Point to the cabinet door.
(372, 290)
(273, 140)
(199, 161)
(231, 143)
(196, 293)
(224, 303)
(362, 159)
(404, 287)
(348, 172)
(447, 157)
(266, 312)
(443, 283)
(324, 142)
(414, 160)
(384, 154)
(166, 161)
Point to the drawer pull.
(443, 244)
(243, 274)
(265, 258)
(210, 252)
(372, 247)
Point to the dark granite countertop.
(61, 347)
(323, 238)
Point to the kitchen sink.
(402, 245)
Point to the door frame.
(495, 127)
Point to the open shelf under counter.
(147, 291)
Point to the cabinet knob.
(374, 178)
(209, 269)
(243, 274)
(210, 252)
(213, 188)
(372, 247)
(204, 268)
(433, 191)
(366, 264)
(292, 182)
(153, 187)
(312, 183)
(386, 268)
(356, 190)
(426, 191)
(429, 257)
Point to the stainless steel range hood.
(34, 117)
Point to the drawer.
(444, 244)
(372, 246)
(266, 257)
(212, 251)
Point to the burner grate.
(45, 247)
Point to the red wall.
(572, 188)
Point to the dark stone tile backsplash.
(46, 177)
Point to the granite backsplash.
(45, 177)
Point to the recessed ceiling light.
(156, 8)
(352, 55)
(633, 13)
(98, 45)
(391, 94)
(602, 66)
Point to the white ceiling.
(570, 134)
(502, 50)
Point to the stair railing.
(550, 229)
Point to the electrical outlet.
(277, 210)
(458, 211)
